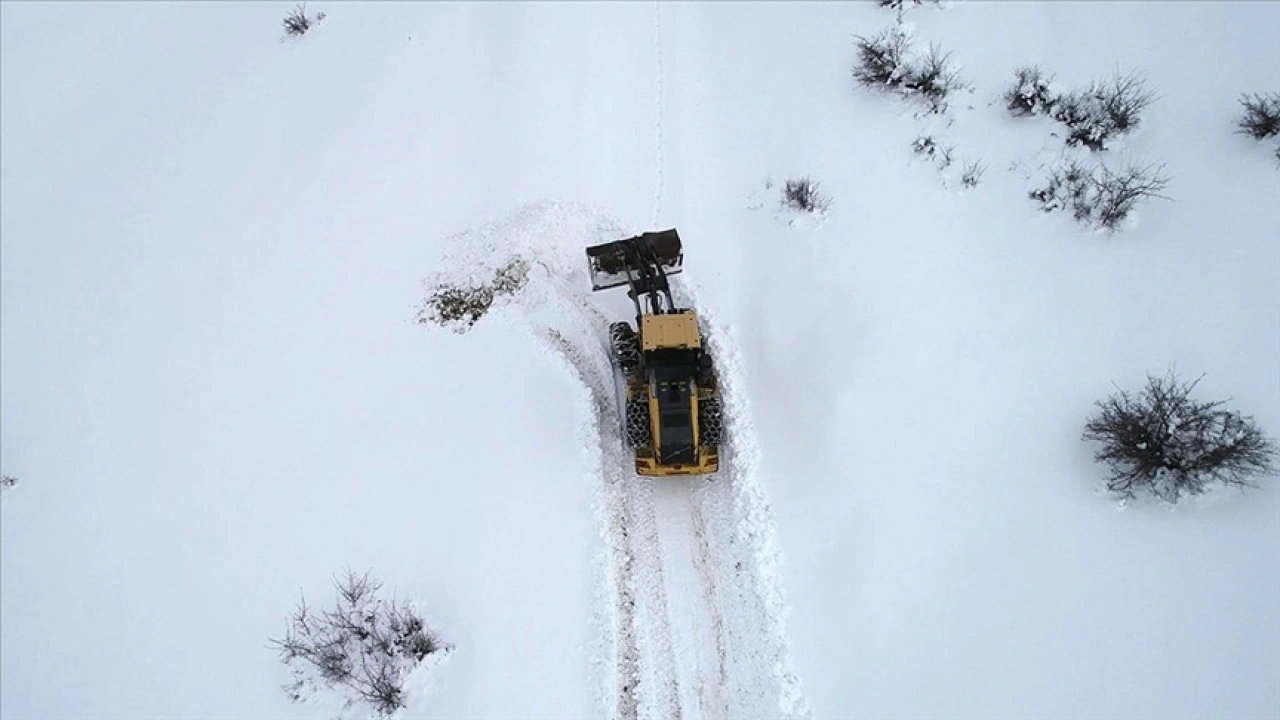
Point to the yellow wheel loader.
(673, 415)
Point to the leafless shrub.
(1116, 194)
(1105, 110)
(802, 194)
(933, 78)
(1097, 196)
(8, 481)
(1030, 93)
(462, 306)
(901, 5)
(882, 60)
(364, 646)
(1261, 118)
(297, 22)
(883, 64)
(1168, 443)
(972, 173)
(926, 146)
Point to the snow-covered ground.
(212, 386)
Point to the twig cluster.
(1104, 110)
(885, 62)
(802, 194)
(1097, 196)
(901, 4)
(1261, 117)
(364, 646)
(297, 22)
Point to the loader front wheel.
(639, 433)
(626, 346)
(711, 421)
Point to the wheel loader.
(672, 413)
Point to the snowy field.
(215, 393)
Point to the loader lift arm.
(643, 263)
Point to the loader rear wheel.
(639, 433)
(706, 371)
(626, 346)
(711, 421)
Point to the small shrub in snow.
(926, 146)
(1261, 117)
(901, 5)
(882, 60)
(1097, 196)
(1030, 93)
(802, 194)
(364, 647)
(1105, 110)
(883, 63)
(933, 78)
(972, 173)
(297, 22)
(1165, 442)
(463, 306)
(7, 481)
(1116, 194)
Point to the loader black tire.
(711, 421)
(639, 433)
(626, 346)
(706, 371)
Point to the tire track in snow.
(750, 534)
(627, 661)
(696, 615)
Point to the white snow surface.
(213, 245)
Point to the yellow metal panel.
(670, 331)
(707, 461)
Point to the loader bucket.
(609, 263)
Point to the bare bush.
(901, 4)
(1031, 93)
(1261, 118)
(1105, 110)
(364, 647)
(462, 306)
(972, 173)
(933, 78)
(882, 60)
(297, 22)
(1116, 194)
(802, 194)
(927, 147)
(8, 481)
(883, 63)
(1170, 444)
(1097, 196)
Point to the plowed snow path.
(691, 608)
(695, 633)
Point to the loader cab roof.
(675, 415)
